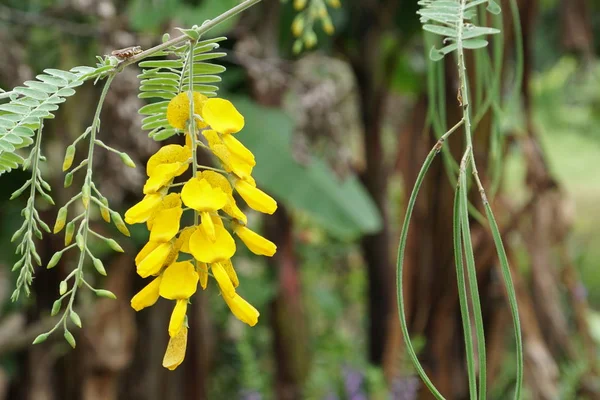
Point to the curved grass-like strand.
(462, 294)
(472, 271)
(512, 296)
(400, 260)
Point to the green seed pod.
(41, 338)
(61, 219)
(79, 241)
(69, 156)
(62, 287)
(298, 45)
(118, 221)
(70, 339)
(310, 39)
(75, 318)
(298, 25)
(69, 233)
(114, 245)
(55, 259)
(127, 160)
(99, 266)
(68, 179)
(104, 211)
(105, 293)
(55, 307)
(85, 195)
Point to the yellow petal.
(165, 225)
(228, 266)
(222, 116)
(147, 249)
(147, 296)
(178, 110)
(255, 242)
(208, 225)
(177, 317)
(175, 352)
(233, 211)
(203, 274)
(154, 261)
(172, 200)
(162, 176)
(212, 137)
(231, 162)
(201, 196)
(223, 280)
(237, 148)
(142, 210)
(169, 154)
(183, 241)
(180, 281)
(217, 180)
(243, 310)
(207, 251)
(255, 198)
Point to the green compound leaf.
(163, 79)
(450, 20)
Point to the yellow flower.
(143, 210)
(255, 198)
(170, 154)
(223, 280)
(217, 180)
(201, 196)
(243, 310)
(222, 116)
(147, 296)
(175, 352)
(168, 162)
(166, 224)
(152, 258)
(207, 251)
(178, 110)
(178, 317)
(228, 266)
(236, 148)
(172, 200)
(231, 162)
(183, 240)
(255, 242)
(203, 274)
(334, 3)
(179, 281)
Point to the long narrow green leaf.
(512, 296)
(400, 260)
(399, 278)
(472, 274)
(462, 296)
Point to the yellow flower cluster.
(179, 258)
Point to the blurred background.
(339, 132)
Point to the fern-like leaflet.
(164, 79)
(30, 104)
(449, 19)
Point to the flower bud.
(69, 156)
(61, 219)
(55, 259)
